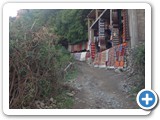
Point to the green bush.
(36, 69)
(139, 59)
(137, 68)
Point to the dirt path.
(100, 88)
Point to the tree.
(71, 25)
(68, 24)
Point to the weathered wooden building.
(111, 31)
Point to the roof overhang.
(105, 15)
(91, 14)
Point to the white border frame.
(9, 6)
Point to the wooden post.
(111, 26)
(96, 13)
(89, 25)
(111, 18)
(132, 29)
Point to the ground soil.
(99, 88)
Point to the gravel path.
(100, 89)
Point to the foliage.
(70, 75)
(139, 59)
(71, 25)
(36, 69)
(64, 101)
(30, 20)
(68, 24)
(137, 68)
(36, 61)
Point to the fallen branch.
(68, 66)
(33, 25)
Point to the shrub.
(137, 68)
(36, 68)
(139, 59)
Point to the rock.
(54, 105)
(46, 107)
(42, 104)
(124, 86)
(76, 98)
(50, 107)
(37, 102)
(73, 92)
(124, 69)
(38, 106)
(90, 98)
(70, 94)
(134, 94)
(117, 71)
(23, 107)
(51, 99)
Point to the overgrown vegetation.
(67, 24)
(37, 61)
(137, 68)
(71, 25)
(36, 69)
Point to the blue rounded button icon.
(147, 99)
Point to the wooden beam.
(111, 18)
(98, 18)
(89, 24)
(96, 13)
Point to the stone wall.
(136, 18)
(141, 24)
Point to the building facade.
(111, 31)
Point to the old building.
(111, 31)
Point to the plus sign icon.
(147, 99)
